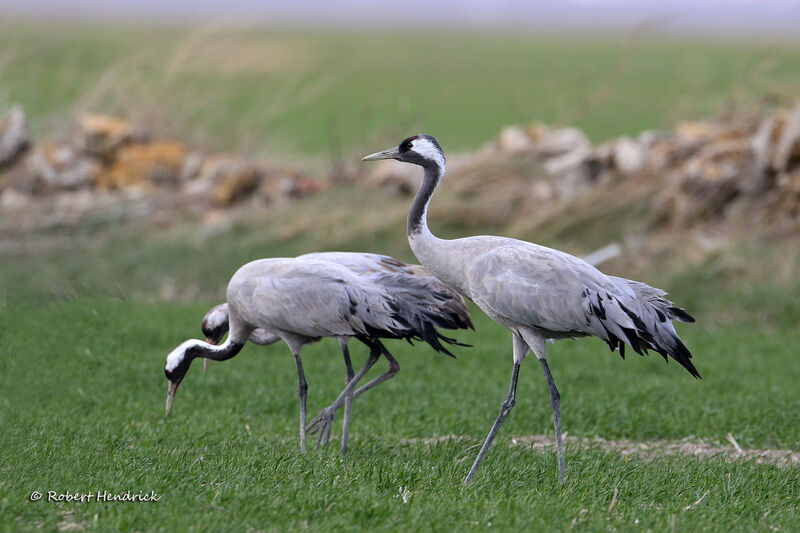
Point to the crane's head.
(215, 326)
(215, 323)
(178, 362)
(422, 150)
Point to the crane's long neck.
(437, 255)
(418, 215)
(221, 352)
(237, 337)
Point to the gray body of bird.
(302, 300)
(537, 292)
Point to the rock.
(12, 200)
(287, 184)
(228, 177)
(142, 165)
(14, 137)
(568, 162)
(625, 155)
(303, 186)
(648, 138)
(628, 156)
(763, 141)
(514, 139)
(284, 187)
(234, 187)
(787, 147)
(216, 166)
(693, 131)
(102, 135)
(62, 166)
(552, 143)
(192, 164)
(573, 173)
(75, 202)
(21, 178)
(542, 191)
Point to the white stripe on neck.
(429, 151)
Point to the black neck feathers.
(221, 353)
(419, 207)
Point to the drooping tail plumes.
(641, 316)
(446, 307)
(408, 312)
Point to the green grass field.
(84, 332)
(82, 410)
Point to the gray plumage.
(537, 292)
(405, 279)
(301, 301)
(556, 295)
(215, 326)
(410, 283)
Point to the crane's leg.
(394, 368)
(325, 433)
(349, 398)
(555, 403)
(505, 408)
(520, 351)
(302, 390)
(323, 421)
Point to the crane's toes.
(322, 439)
(325, 417)
(327, 434)
(313, 426)
(321, 426)
(316, 425)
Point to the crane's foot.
(322, 425)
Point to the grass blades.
(82, 411)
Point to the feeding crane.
(301, 301)
(405, 281)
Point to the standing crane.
(410, 282)
(301, 301)
(537, 292)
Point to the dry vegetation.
(697, 188)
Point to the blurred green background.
(335, 93)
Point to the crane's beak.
(391, 153)
(171, 389)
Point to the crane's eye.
(405, 146)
